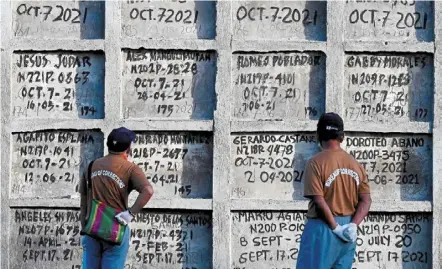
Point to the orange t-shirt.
(339, 178)
(113, 178)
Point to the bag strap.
(88, 179)
(89, 187)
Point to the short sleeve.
(313, 184)
(364, 187)
(138, 179)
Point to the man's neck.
(121, 154)
(331, 144)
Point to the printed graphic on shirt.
(109, 174)
(342, 171)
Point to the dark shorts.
(322, 249)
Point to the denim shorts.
(101, 255)
(321, 249)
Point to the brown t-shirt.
(113, 178)
(339, 178)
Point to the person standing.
(339, 194)
(113, 177)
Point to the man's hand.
(351, 231)
(340, 232)
(124, 217)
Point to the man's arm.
(363, 208)
(314, 189)
(364, 198)
(144, 188)
(142, 199)
(324, 211)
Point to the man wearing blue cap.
(339, 194)
(113, 177)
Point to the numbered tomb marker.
(389, 88)
(62, 85)
(272, 239)
(169, 84)
(279, 86)
(49, 163)
(398, 167)
(177, 164)
(271, 166)
(167, 240)
(44, 238)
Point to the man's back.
(338, 177)
(113, 178)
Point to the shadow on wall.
(89, 152)
(316, 89)
(178, 168)
(303, 152)
(416, 241)
(206, 22)
(185, 235)
(89, 85)
(195, 243)
(421, 7)
(415, 178)
(316, 33)
(204, 99)
(196, 179)
(421, 91)
(94, 17)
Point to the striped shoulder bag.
(101, 222)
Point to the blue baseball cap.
(330, 126)
(120, 139)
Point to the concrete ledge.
(137, 125)
(279, 205)
(350, 126)
(48, 44)
(194, 204)
(135, 43)
(412, 127)
(401, 206)
(377, 206)
(380, 46)
(167, 125)
(278, 45)
(27, 125)
(272, 126)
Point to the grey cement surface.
(201, 198)
(390, 20)
(62, 20)
(279, 20)
(169, 19)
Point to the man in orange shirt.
(339, 194)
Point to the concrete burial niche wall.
(224, 97)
